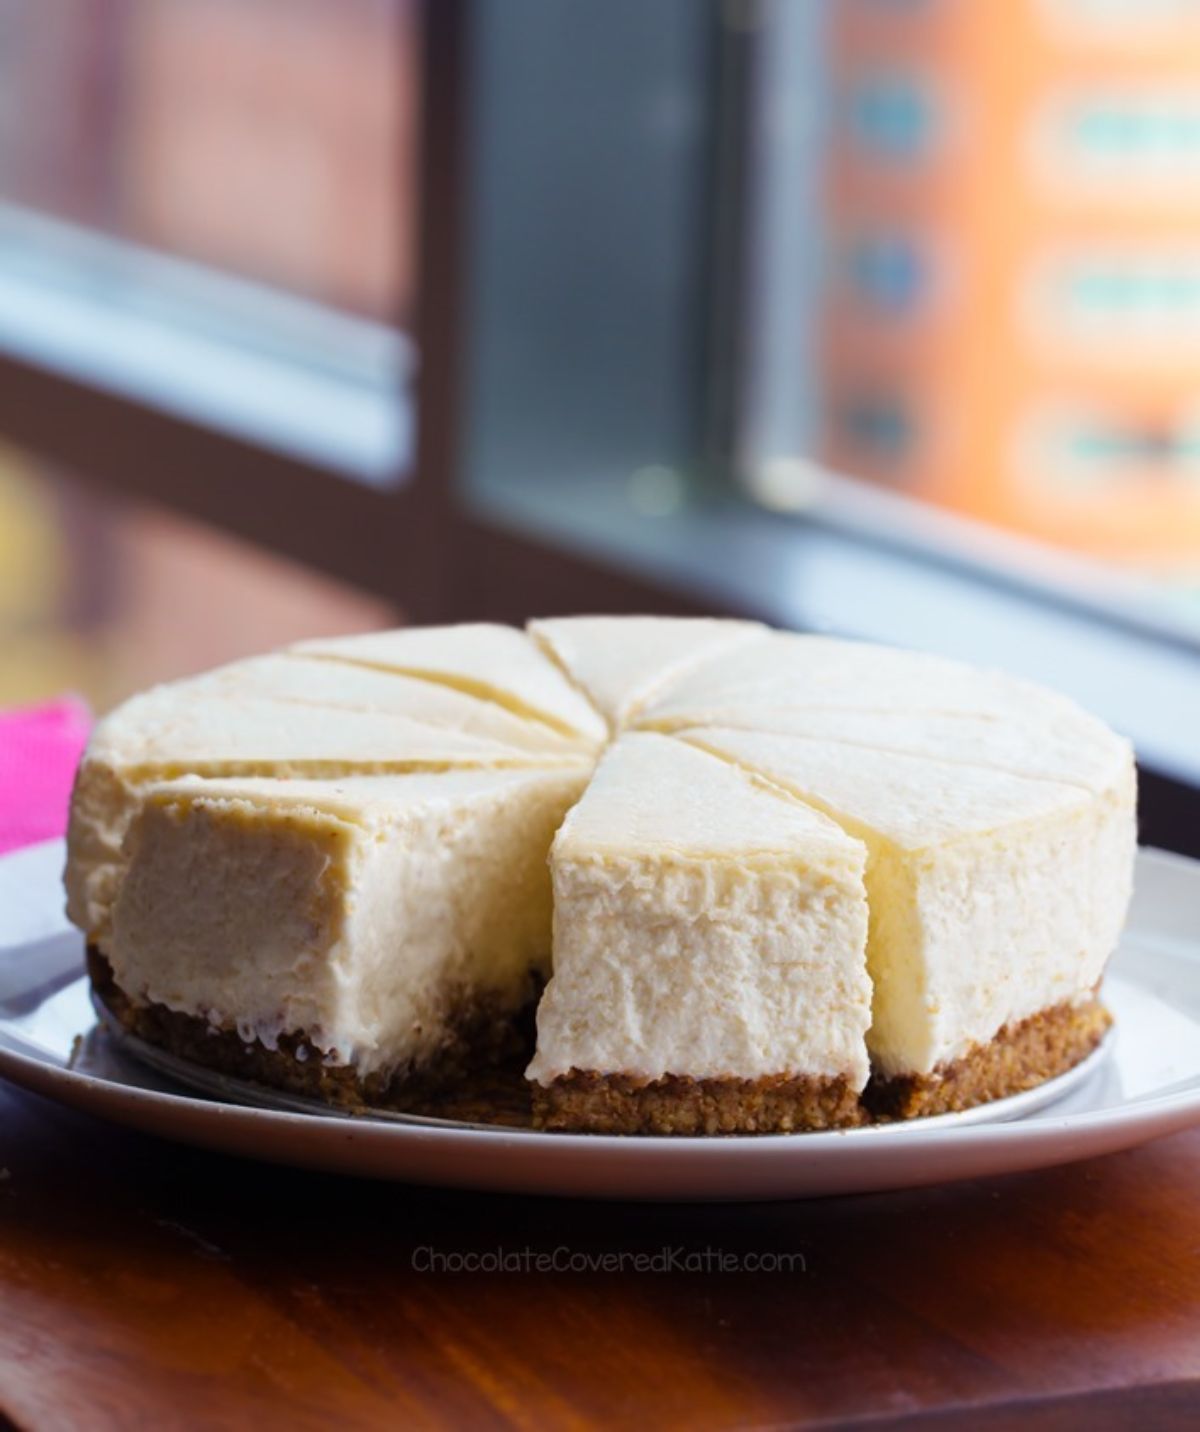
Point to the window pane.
(587, 247)
(274, 138)
(208, 206)
(976, 232)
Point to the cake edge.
(484, 1032)
(584, 1101)
(1021, 1056)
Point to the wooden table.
(145, 1285)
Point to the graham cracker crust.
(1019, 1057)
(477, 1075)
(587, 1102)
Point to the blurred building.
(273, 138)
(1012, 320)
(267, 137)
(270, 139)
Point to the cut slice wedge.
(495, 663)
(767, 680)
(995, 902)
(176, 730)
(621, 662)
(709, 954)
(1057, 742)
(311, 681)
(342, 935)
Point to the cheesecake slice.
(1056, 741)
(311, 681)
(996, 901)
(493, 662)
(709, 955)
(177, 730)
(345, 938)
(765, 682)
(621, 662)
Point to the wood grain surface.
(146, 1285)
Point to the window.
(822, 313)
(274, 139)
(211, 207)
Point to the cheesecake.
(339, 937)
(996, 900)
(763, 682)
(183, 729)
(1068, 746)
(621, 663)
(710, 967)
(497, 663)
(775, 882)
(310, 681)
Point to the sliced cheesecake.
(709, 955)
(341, 685)
(339, 937)
(764, 681)
(496, 663)
(177, 729)
(996, 900)
(810, 882)
(1057, 744)
(622, 662)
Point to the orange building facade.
(1012, 315)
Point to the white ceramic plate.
(1144, 1081)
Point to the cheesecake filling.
(343, 685)
(620, 663)
(364, 918)
(484, 660)
(706, 927)
(670, 967)
(993, 897)
(191, 728)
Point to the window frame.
(426, 544)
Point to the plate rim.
(993, 1113)
(43, 1073)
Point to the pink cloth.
(40, 747)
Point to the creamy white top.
(620, 662)
(494, 662)
(786, 672)
(1063, 745)
(342, 685)
(216, 734)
